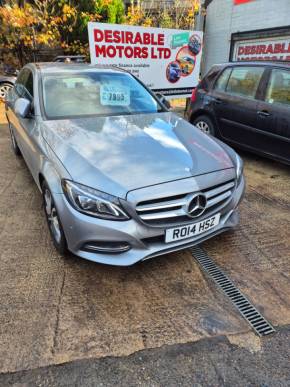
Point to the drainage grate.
(260, 325)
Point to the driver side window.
(24, 84)
(29, 86)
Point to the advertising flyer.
(166, 60)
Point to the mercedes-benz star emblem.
(196, 205)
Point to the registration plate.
(191, 230)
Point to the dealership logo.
(197, 205)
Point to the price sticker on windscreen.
(114, 95)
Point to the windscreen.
(95, 93)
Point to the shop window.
(278, 90)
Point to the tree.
(112, 11)
(38, 24)
(22, 28)
(75, 16)
(53, 23)
(179, 14)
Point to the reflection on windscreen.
(99, 93)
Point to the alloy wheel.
(203, 126)
(52, 216)
(4, 88)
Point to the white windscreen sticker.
(114, 95)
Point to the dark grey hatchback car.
(246, 104)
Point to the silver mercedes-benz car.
(123, 179)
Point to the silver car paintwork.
(136, 158)
(124, 153)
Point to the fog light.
(107, 247)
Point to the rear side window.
(244, 81)
(209, 78)
(222, 81)
(278, 90)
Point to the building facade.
(250, 30)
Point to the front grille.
(172, 210)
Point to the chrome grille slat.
(216, 191)
(173, 209)
(167, 204)
(162, 215)
(218, 199)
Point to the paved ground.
(208, 362)
(158, 323)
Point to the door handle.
(263, 113)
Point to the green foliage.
(112, 11)
(166, 20)
(107, 11)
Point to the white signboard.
(277, 48)
(166, 60)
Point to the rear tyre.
(14, 145)
(205, 124)
(53, 220)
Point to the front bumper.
(145, 241)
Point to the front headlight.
(92, 202)
(239, 167)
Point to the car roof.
(60, 67)
(256, 63)
(70, 56)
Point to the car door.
(274, 115)
(12, 96)
(235, 103)
(24, 128)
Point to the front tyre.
(205, 124)
(53, 220)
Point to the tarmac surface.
(67, 321)
(208, 362)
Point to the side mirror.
(22, 107)
(163, 100)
